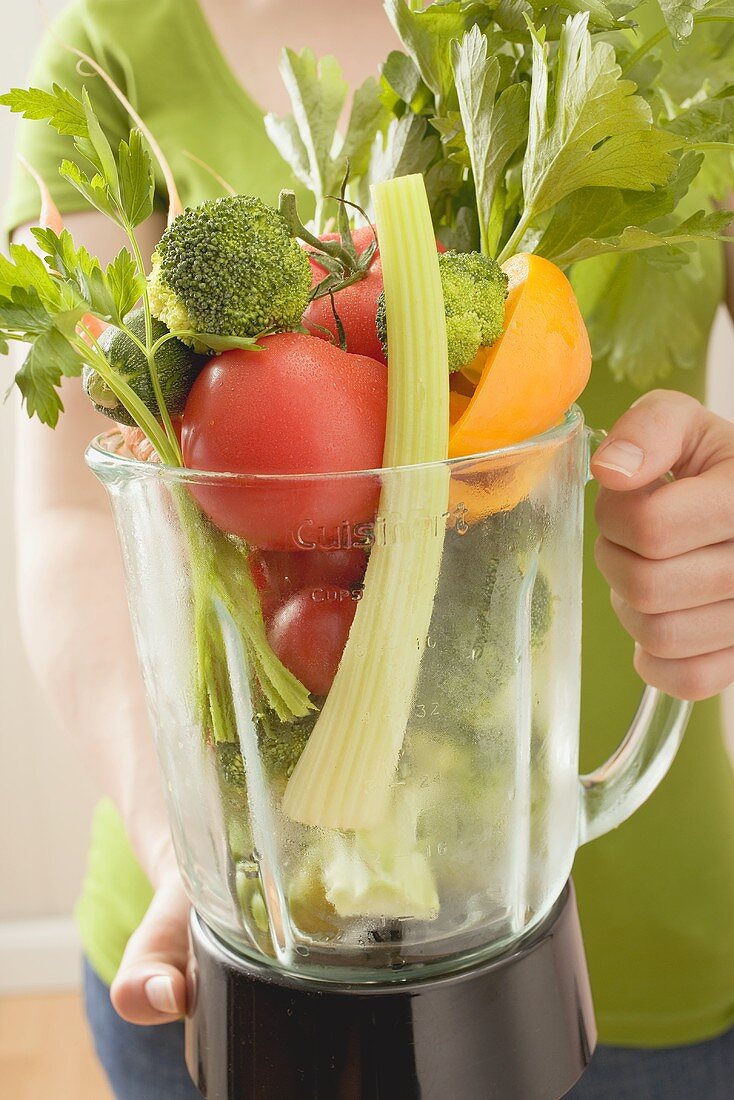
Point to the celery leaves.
(594, 221)
(602, 165)
(62, 109)
(317, 91)
(364, 121)
(705, 120)
(402, 83)
(495, 126)
(679, 15)
(587, 127)
(427, 36)
(645, 319)
(700, 226)
(137, 183)
(409, 146)
(308, 140)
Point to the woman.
(657, 896)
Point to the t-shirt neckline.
(228, 76)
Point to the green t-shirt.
(657, 895)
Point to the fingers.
(667, 547)
(663, 431)
(671, 584)
(679, 634)
(692, 678)
(660, 432)
(673, 518)
(680, 611)
(150, 987)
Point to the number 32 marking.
(423, 710)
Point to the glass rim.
(99, 456)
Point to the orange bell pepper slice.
(536, 370)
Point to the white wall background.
(46, 796)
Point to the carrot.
(94, 327)
(528, 379)
(49, 217)
(137, 444)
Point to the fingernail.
(159, 991)
(620, 456)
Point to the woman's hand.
(150, 987)
(667, 548)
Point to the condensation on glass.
(486, 806)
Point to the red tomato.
(340, 567)
(269, 595)
(356, 304)
(309, 632)
(299, 406)
(287, 571)
(280, 573)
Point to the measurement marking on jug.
(427, 710)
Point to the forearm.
(72, 601)
(77, 631)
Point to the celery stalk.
(344, 776)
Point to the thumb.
(150, 987)
(658, 433)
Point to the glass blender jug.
(406, 837)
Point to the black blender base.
(520, 1027)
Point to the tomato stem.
(339, 258)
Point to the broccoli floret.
(233, 791)
(474, 625)
(474, 293)
(281, 743)
(541, 610)
(231, 764)
(229, 267)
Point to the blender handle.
(611, 793)
(614, 791)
